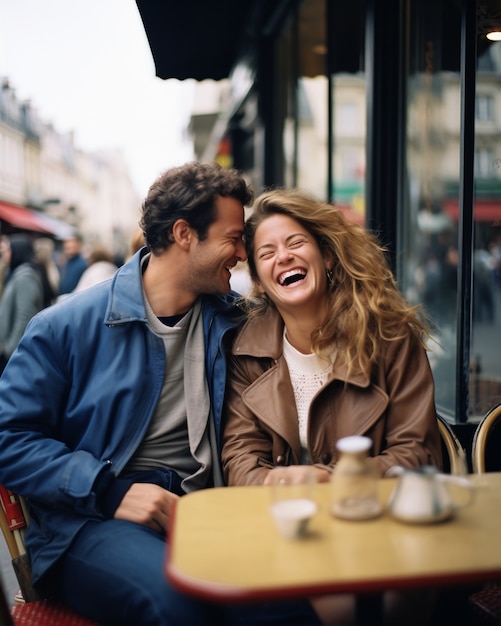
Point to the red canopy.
(20, 217)
(483, 210)
(26, 219)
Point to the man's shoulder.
(82, 304)
(222, 312)
(228, 304)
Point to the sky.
(86, 67)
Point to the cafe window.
(305, 128)
(485, 163)
(431, 216)
(324, 129)
(430, 234)
(485, 363)
(447, 238)
(484, 108)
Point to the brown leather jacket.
(395, 408)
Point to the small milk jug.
(354, 482)
(424, 495)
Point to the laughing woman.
(330, 349)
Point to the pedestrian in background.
(25, 294)
(74, 266)
(136, 242)
(44, 254)
(100, 267)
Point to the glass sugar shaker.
(354, 482)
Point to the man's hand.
(147, 504)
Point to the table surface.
(224, 546)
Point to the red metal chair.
(29, 609)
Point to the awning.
(59, 229)
(26, 219)
(194, 38)
(483, 210)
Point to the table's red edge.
(225, 593)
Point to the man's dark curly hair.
(188, 192)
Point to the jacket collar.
(126, 304)
(261, 337)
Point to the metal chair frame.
(32, 609)
(480, 438)
(452, 446)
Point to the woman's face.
(290, 267)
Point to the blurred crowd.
(35, 274)
(436, 279)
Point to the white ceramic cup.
(292, 505)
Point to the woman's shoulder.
(25, 273)
(260, 335)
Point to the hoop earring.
(329, 277)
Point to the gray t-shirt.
(179, 434)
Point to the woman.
(330, 349)
(24, 295)
(100, 267)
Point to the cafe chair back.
(28, 607)
(454, 456)
(486, 457)
(486, 448)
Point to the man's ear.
(182, 234)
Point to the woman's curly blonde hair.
(365, 304)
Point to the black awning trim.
(197, 39)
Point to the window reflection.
(485, 387)
(429, 266)
(430, 233)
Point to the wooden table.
(224, 547)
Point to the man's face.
(212, 258)
(71, 247)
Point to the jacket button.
(280, 459)
(326, 458)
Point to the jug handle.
(461, 481)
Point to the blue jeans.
(113, 573)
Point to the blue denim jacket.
(77, 396)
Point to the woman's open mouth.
(291, 276)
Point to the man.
(74, 266)
(110, 407)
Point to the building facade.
(46, 178)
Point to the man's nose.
(240, 251)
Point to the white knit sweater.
(308, 372)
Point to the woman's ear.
(259, 286)
(328, 261)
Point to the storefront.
(392, 110)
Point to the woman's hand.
(297, 474)
(147, 504)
